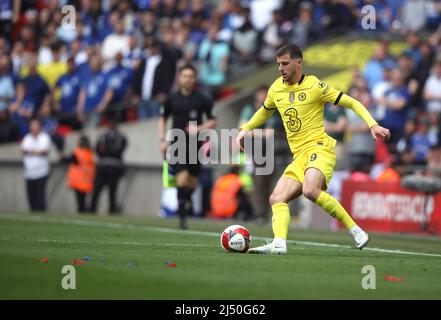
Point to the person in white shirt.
(114, 43)
(432, 88)
(261, 12)
(35, 148)
(379, 91)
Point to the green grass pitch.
(128, 261)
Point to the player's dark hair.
(188, 67)
(292, 49)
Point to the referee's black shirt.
(184, 109)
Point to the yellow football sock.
(335, 209)
(281, 218)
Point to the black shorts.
(193, 167)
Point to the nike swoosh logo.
(279, 100)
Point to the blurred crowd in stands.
(120, 60)
(404, 94)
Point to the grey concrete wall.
(12, 189)
(143, 147)
(139, 191)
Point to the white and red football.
(236, 238)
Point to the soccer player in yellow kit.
(300, 101)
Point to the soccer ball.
(236, 238)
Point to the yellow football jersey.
(301, 108)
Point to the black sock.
(184, 202)
(188, 203)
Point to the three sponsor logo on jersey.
(294, 123)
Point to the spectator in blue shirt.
(414, 42)
(383, 14)
(197, 16)
(214, 53)
(49, 125)
(21, 116)
(420, 143)
(134, 57)
(83, 68)
(396, 100)
(95, 26)
(32, 88)
(142, 5)
(69, 90)
(374, 69)
(198, 8)
(95, 94)
(120, 79)
(395, 8)
(7, 92)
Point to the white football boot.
(361, 238)
(274, 247)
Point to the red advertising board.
(389, 207)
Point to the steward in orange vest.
(389, 175)
(224, 202)
(81, 172)
(228, 198)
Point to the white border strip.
(113, 225)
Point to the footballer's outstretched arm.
(338, 98)
(377, 131)
(356, 106)
(258, 118)
(256, 121)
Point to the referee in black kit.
(186, 106)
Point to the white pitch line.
(403, 252)
(113, 225)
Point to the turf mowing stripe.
(122, 243)
(189, 232)
(115, 242)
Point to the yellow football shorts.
(320, 157)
